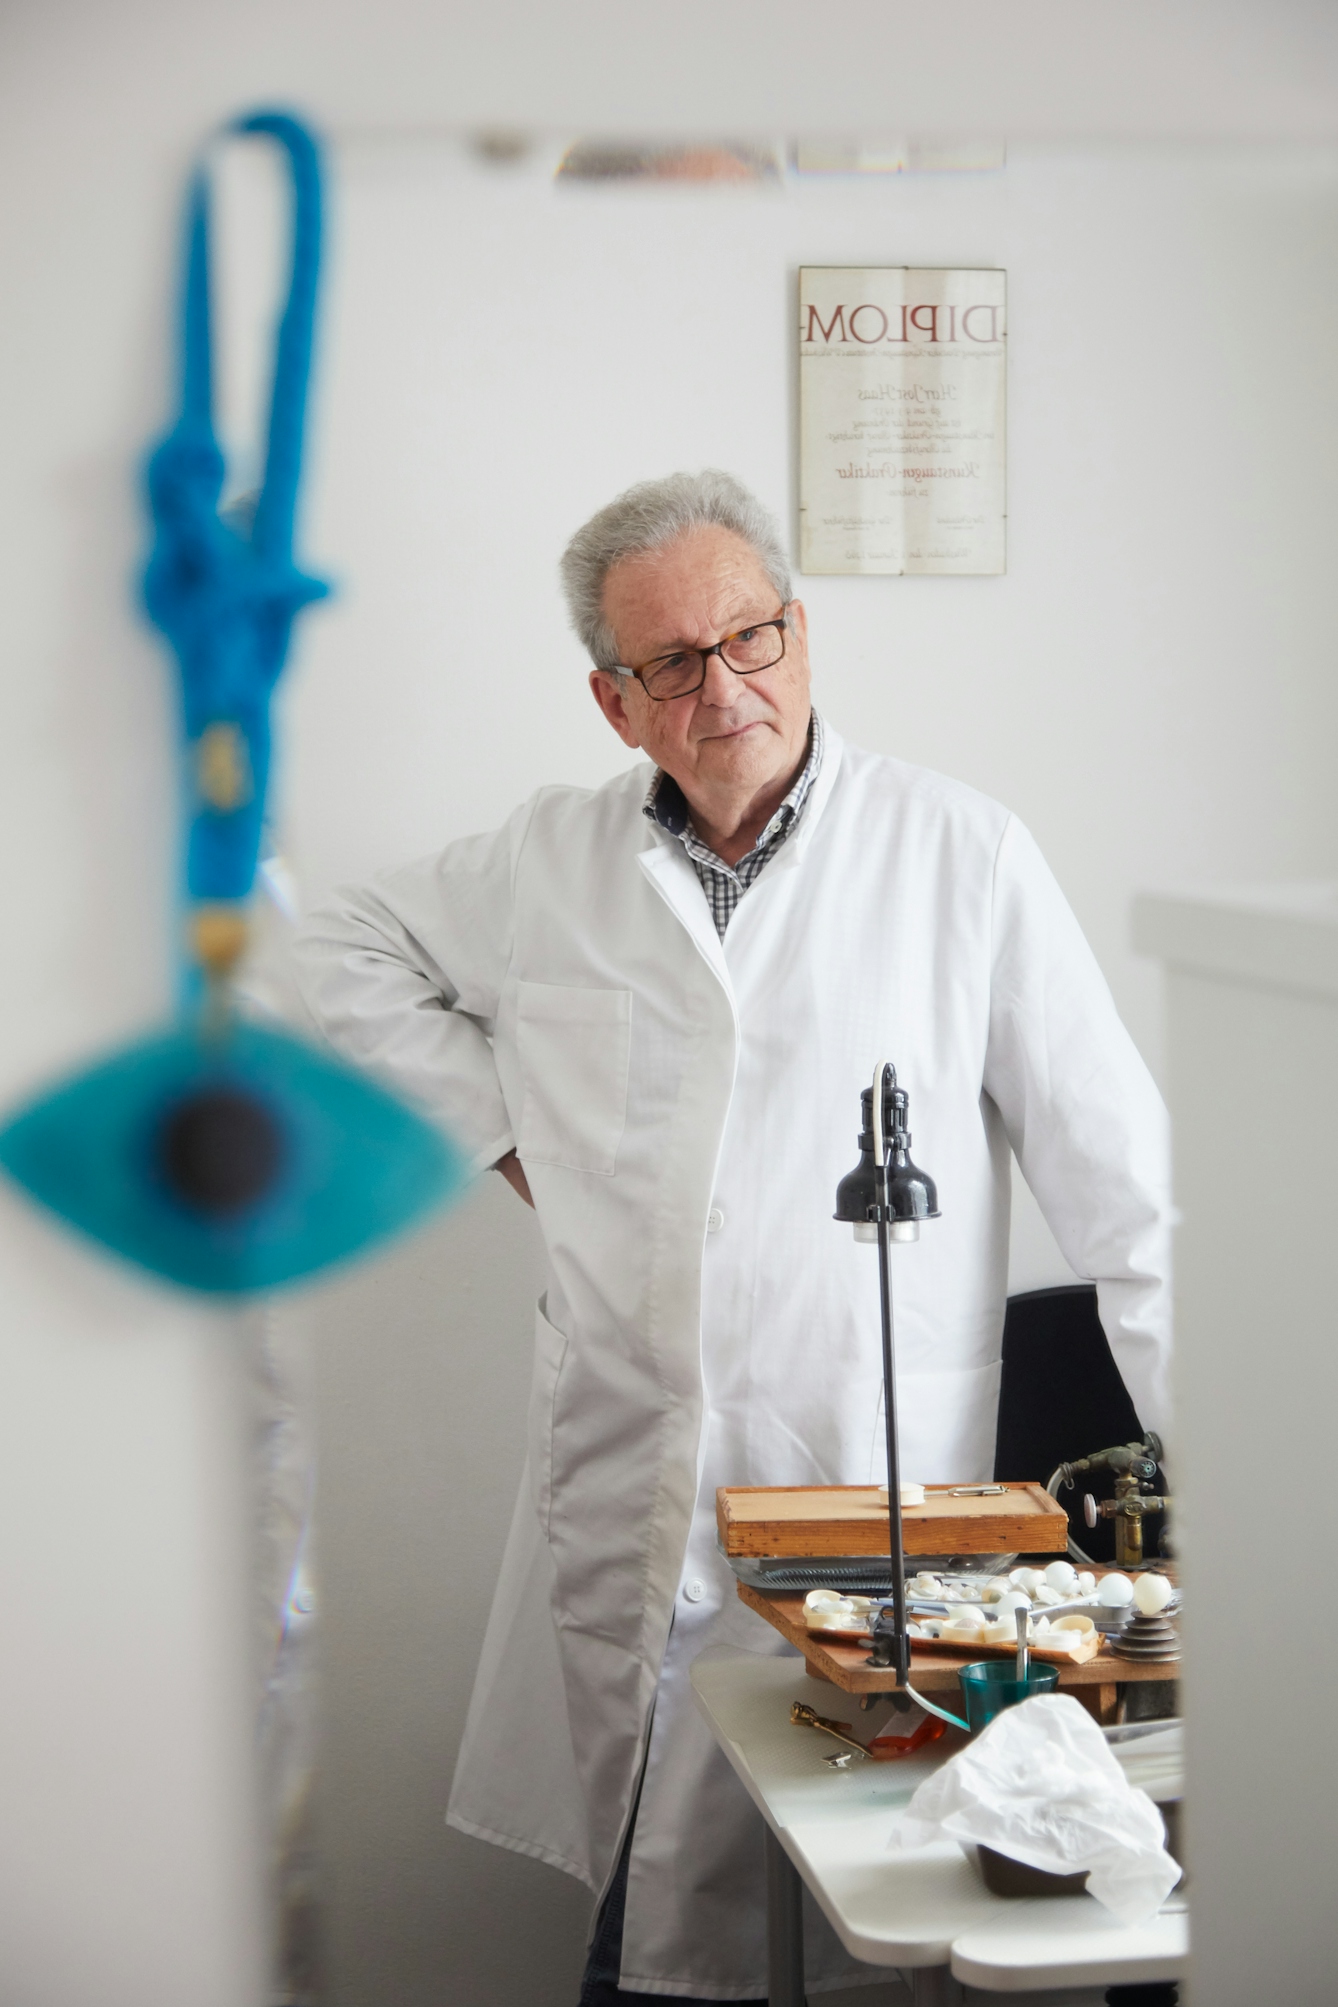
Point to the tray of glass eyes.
(1068, 1611)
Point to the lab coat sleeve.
(1081, 1110)
(403, 976)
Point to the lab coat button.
(715, 1219)
(694, 1590)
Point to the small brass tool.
(803, 1716)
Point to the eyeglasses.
(760, 646)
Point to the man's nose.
(722, 685)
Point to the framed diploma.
(901, 420)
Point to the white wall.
(1142, 687)
(1252, 1009)
(1147, 687)
(126, 1692)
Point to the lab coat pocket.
(550, 1351)
(574, 1047)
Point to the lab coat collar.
(669, 869)
(795, 847)
(796, 844)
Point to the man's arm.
(510, 1168)
(403, 977)
(1083, 1115)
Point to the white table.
(924, 1910)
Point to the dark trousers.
(600, 1986)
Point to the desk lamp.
(885, 1198)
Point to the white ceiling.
(1060, 70)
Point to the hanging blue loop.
(226, 594)
(227, 1156)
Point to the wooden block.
(808, 1521)
(1102, 1702)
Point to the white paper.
(1042, 1786)
(901, 403)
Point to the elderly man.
(652, 1007)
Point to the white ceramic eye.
(1062, 1575)
(966, 1614)
(1008, 1630)
(1115, 1592)
(1013, 1599)
(1152, 1593)
(819, 1599)
(910, 1494)
(837, 1616)
(1045, 1594)
(1086, 1581)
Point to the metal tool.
(803, 1716)
(1023, 1618)
(1135, 1467)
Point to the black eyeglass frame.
(780, 623)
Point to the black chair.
(1062, 1398)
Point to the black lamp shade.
(911, 1192)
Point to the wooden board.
(806, 1521)
(935, 1671)
(959, 1649)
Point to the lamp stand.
(885, 1198)
(891, 1645)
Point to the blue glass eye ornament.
(223, 1154)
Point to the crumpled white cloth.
(1041, 1785)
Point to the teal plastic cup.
(992, 1685)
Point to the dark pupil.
(219, 1150)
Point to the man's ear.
(607, 691)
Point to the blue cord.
(226, 596)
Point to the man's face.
(737, 735)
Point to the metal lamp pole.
(884, 1198)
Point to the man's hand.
(509, 1166)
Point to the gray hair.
(645, 518)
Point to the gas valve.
(1135, 1468)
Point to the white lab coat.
(559, 985)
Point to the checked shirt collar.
(725, 884)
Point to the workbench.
(924, 1910)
